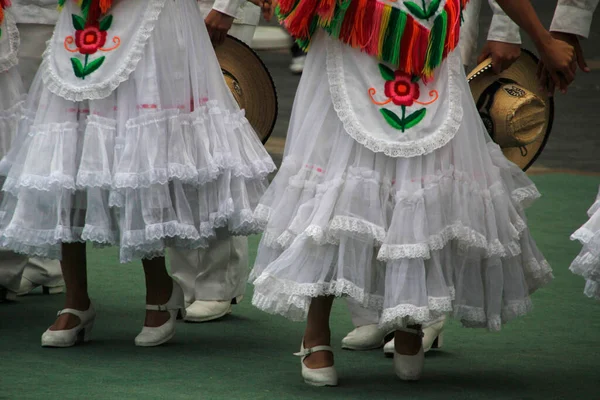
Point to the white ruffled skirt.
(163, 161)
(412, 238)
(587, 263)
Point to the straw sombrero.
(516, 113)
(250, 83)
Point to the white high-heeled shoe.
(320, 376)
(366, 337)
(155, 336)
(433, 338)
(410, 368)
(69, 337)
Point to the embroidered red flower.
(90, 39)
(402, 90)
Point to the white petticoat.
(587, 263)
(161, 161)
(411, 237)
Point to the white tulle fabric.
(587, 263)
(411, 237)
(11, 87)
(162, 161)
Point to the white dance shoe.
(155, 336)
(204, 311)
(409, 368)
(320, 376)
(433, 338)
(70, 337)
(366, 337)
(55, 287)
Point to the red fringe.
(358, 39)
(105, 5)
(326, 10)
(453, 31)
(299, 22)
(406, 45)
(348, 23)
(373, 44)
(93, 13)
(370, 31)
(286, 5)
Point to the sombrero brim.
(522, 71)
(257, 94)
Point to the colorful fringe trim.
(379, 29)
(102, 5)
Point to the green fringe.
(389, 39)
(393, 36)
(335, 27)
(437, 40)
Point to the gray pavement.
(575, 140)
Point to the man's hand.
(218, 24)
(503, 54)
(267, 7)
(544, 74)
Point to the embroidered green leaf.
(392, 119)
(415, 79)
(77, 67)
(414, 118)
(78, 22)
(415, 10)
(433, 7)
(386, 73)
(94, 65)
(106, 23)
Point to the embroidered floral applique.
(91, 33)
(404, 91)
(3, 4)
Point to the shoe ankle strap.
(77, 313)
(316, 349)
(161, 307)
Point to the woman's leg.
(317, 332)
(159, 287)
(74, 269)
(408, 344)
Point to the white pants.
(219, 272)
(15, 266)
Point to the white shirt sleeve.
(502, 28)
(229, 7)
(574, 16)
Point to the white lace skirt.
(163, 161)
(587, 263)
(412, 238)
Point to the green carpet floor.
(554, 353)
